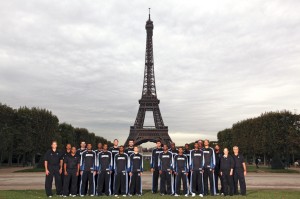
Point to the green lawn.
(31, 170)
(272, 194)
(265, 169)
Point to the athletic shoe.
(139, 195)
(64, 196)
(116, 195)
(193, 194)
(73, 196)
(81, 195)
(49, 196)
(130, 195)
(176, 195)
(201, 195)
(186, 195)
(92, 195)
(124, 195)
(162, 194)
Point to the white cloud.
(216, 62)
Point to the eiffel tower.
(149, 102)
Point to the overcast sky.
(216, 62)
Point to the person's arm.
(151, 161)
(245, 168)
(65, 169)
(231, 165)
(46, 167)
(61, 162)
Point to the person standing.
(209, 166)
(136, 171)
(165, 165)
(226, 172)
(97, 151)
(196, 168)
(53, 168)
(71, 173)
(88, 168)
(154, 165)
(239, 171)
(66, 153)
(104, 167)
(217, 175)
(121, 167)
(79, 153)
(187, 153)
(181, 168)
(114, 150)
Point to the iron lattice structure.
(149, 102)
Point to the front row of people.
(189, 168)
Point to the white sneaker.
(201, 195)
(124, 195)
(193, 194)
(176, 195)
(81, 195)
(130, 195)
(49, 196)
(116, 195)
(186, 195)
(92, 195)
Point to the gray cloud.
(216, 62)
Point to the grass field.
(272, 194)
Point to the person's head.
(99, 146)
(130, 143)
(206, 143)
(165, 148)
(73, 150)
(235, 149)
(54, 144)
(89, 146)
(180, 150)
(158, 143)
(136, 149)
(225, 150)
(187, 146)
(105, 147)
(172, 145)
(196, 145)
(121, 149)
(82, 144)
(116, 142)
(68, 147)
(200, 143)
(217, 148)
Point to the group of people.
(118, 171)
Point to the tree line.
(272, 134)
(26, 134)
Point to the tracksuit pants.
(208, 174)
(87, 176)
(155, 176)
(121, 183)
(227, 180)
(70, 183)
(181, 176)
(166, 185)
(196, 183)
(104, 180)
(238, 176)
(135, 183)
(49, 179)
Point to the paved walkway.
(35, 180)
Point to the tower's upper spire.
(149, 15)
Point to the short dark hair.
(158, 141)
(180, 147)
(116, 140)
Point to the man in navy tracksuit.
(121, 168)
(186, 152)
(66, 153)
(154, 165)
(165, 165)
(136, 170)
(226, 172)
(239, 171)
(79, 153)
(104, 167)
(97, 151)
(181, 168)
(114, 150)
(218, 156)
(71, 173)
(196, 168)
(209, 166)
(53, 168)
(88, 168)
